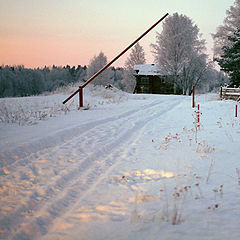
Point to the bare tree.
(230, 25)
(137, 56)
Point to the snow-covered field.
(129, 167)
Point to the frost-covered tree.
(18, 81)
(230, 59)
(217, 80)
(81, 73)
(230, 25)
(193, 72)
(177, 50)
(96, 63)
(118, 77)
(137, 56)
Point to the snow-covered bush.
(28, 111)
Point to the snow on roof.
(146, 69)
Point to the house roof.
(146, 69)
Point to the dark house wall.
(154, 85)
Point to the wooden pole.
(193, 96)
(125, 50)
(80, 97)
(118, 56)
(66, 100)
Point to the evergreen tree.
(230, 25)
(230, 59)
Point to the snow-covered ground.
(129, 167)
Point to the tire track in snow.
(21, 164)
(29, 163)
(9, 157)
(76, 183)
(46, 144)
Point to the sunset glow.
(38, 33)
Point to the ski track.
(71, 170)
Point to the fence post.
(193, 96)
(221, 93)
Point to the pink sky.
(60, 32)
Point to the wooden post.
(80, 97)
(236, 110)
(221, 92)
(193, 96)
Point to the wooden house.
(149, 80)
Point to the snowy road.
(53, 179)
(80, 181)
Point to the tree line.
(18, 81)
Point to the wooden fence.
(230, 93)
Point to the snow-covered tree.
(16, 81)
(213, 80)
(137, 56)
(96, 63)
(177, 50)
(230, 59)
(193, 72)
(230, 25)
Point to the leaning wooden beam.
(80, 90)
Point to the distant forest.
(18, 81)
